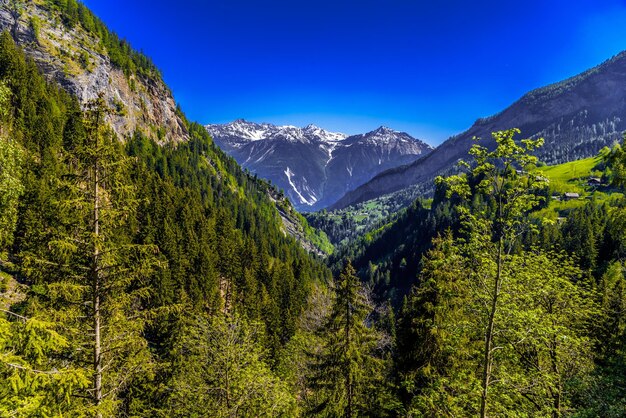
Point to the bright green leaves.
(11, 187)
(541, 348)
(503, 330)
(222, 371)
(31, 382)
(615, 160)
(504, 179)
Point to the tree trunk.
(349, 368)
(96, 282)
(487, 354)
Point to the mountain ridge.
(576, 116)
(313, 165)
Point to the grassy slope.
(572, 177)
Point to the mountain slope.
(186, 233)
(577, 117)
(314, 167)
(75, 49)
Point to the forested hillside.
(117, 246)
(145, 277)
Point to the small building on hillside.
(594, 181)
(571, 196)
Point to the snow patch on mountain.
(324, 135)
(330, 147)
(240, 131)
(328, 163)
(262, 157)
(303, 200)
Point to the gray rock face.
(576, 117)
(146, 104)
(313, 166)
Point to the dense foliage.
(116, 245)
(147, 279)
(506, 312)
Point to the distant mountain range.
(313, 166)
(576, 117)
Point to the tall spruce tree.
(437, 341)
(93, 278)
(348, 372)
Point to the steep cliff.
(74, 48)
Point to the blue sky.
(429, 68)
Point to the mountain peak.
(384, 129)
(314, 166)
(387, 137)
(322, 134)
(384, 134)
(241, 129)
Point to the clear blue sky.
(426, 67)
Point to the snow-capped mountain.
(313, 166)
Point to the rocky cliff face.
(576, 117)
(77, 60)
(313, 166)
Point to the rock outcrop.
(78, 61)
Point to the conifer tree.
(31, 384)
(94, 278)
(437, 344)
(347, 371)
(11, 187)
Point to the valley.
(155, 266)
